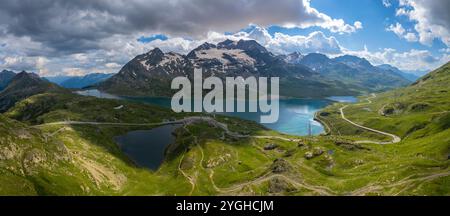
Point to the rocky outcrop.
(280, 166)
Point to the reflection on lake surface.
(296, 115)
(344, 99)
(146, 147)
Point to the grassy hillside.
(205, 160)
(419, 114)
(37, 158)
(417, 111)
(22, 86)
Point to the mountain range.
(5, 77)
(24, 85)
(409, 76)
(79, 82)
(42, 154)
(357, 71)
(313, 75)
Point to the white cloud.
(445, 50)
(314, 42)
(402, 33)
(358, 25)
(387, 3)
(112, 65)
(74, 71)
(117, 50)
(410, 37)
(401, 12)
(81, 57)
(411, 60)
(281, 43)
(19, 63)
(338, 25)
(41, 63)
(432, 19)
(80, 24)
(397, 29)
(96, 36)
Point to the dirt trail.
(190, 179)
(406, 181)
(266, 177)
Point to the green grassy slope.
(417, 111)
(419, 114)
(22, 86)
(26, 154)
(206, 161)
(43, 159)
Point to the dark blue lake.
(146, 147)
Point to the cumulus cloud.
(402, 33)
(386, 3)
(397, 29)
(113, 52)
(358, 25)
(279, 43)
(411, 60)
(316, 42)
(432, 19)
(86, 35)
(83, 36)
(19, 63)
(77, 26)
(411, 37)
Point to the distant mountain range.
(150, 74)
(5, 77)
(78, 82)
(357, 71)
(57, 79)
(313, 75)
(408, 76)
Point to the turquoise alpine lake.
(296, 116)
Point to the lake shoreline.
(147, 148)
(296, 116)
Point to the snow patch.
(170, 58)
(218, 54)
(144, 63)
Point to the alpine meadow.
(225, 98)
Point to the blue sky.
(372, 13)
(375, 18)
(148, 39)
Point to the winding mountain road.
(264, 178)
(188, 120)
(395, 138)
(181, 121)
